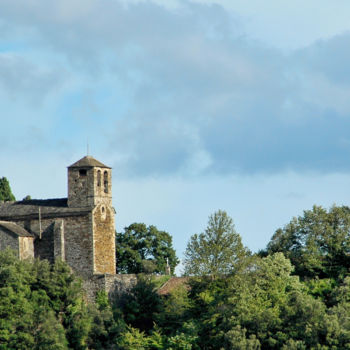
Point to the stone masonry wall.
(77, 248)
(90, 189)
(26, 247)
(116, 285)
(102, 191)
(104, 240)
(79, 188)
(43, 248)
(8, 241)
(78, 244)
(113, 285)
(58, 236)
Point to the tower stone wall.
(89, 183)
(80, 189)
(104, 239)
(102, 186)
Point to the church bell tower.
(89, 183)
(90, 186)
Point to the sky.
(197, 105)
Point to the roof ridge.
(88, 162)
(15, 228)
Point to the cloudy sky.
(198, 105)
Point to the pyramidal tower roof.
(88, 162)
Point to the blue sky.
(198, 105)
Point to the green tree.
(217, 251)
(51, 334)
(5, 190)
(142, 305)
(17, 312)
(41, 305)
(144, 249)
(107, 324)
(27, 318)
(236, 339)
(133, 339)
(176, 309)
(261, 305)
(317, 243)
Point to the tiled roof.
(49, 208)
(88, 162)
(172, 284)
(14, 228)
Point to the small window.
(103, 213)
(105, 181)
(98, 178)
(82, 172)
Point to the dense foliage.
(142, 248)
(5, 190)
(317, 243)
(289, 297)
(217, 251)
(41, 306)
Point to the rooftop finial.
(167, 268)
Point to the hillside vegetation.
(293, 295)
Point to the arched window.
(98, 178)
(103, 213)
(105, 181)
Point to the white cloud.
(199, 96)
(188, 102)
(289, 25)
(20, 76)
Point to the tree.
(175, 312)
(264, 306)
(107, 324)
(144, 249)
(28, 320)
(5, 190)
(217, 251)
(142, 305)
(317, 243)
(235, 339)
(41, 305)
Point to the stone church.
(79, 229)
